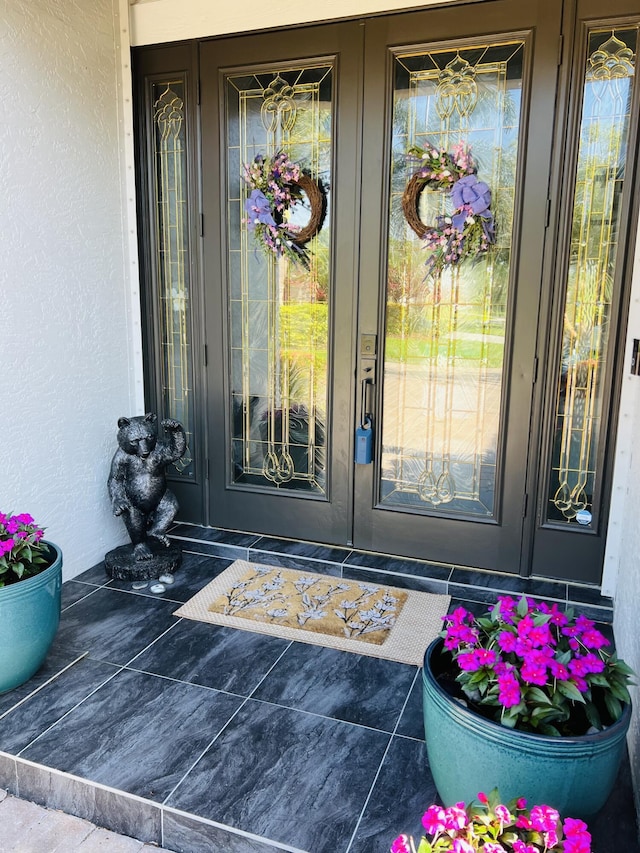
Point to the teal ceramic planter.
(29, 619)
(468, 753)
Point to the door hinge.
(206, 355)
(560, 49)
(198, 91)
(547, 213)
(206, 465)
(535, 369)
(201, 224)
(525, 501)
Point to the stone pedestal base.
(120, 564)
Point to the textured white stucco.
(69, 345)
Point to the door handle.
(367, 379)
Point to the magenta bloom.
(6, 545)
(401, 845)
(455, 817)
(507, 641)
(509, 695)
(461, 846)
(544, 818)
(577, 838)
(593, 639)
(433, 820)
(558, 670)
(468, 661)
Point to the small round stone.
(156, 588)
(167, 579)
(139, 585)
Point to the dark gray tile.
(195, 572)
(95, 575)
(509, 584)
(138, 733)
(413, 582)
(286, 561)
(73, 591)
(342, 685)
(58, 659)
(293, 777)
(473, 594)
(578, 595)
(403, 791)
(41, 710)
(398, 565)
(214, 549)
(617, 821)
(309, 550)
(598, 614)
(114, 626)
(213, 656)
(111, 809)
(478, 608)
(194, 533)
(412, 721)
(186, 834)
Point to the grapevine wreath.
(276, 184)
(470, 230)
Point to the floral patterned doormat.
(380, 621)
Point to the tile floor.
(198, 738)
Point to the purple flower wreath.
(275, 187)
(470, 230)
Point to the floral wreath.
(470, 230)
(277, 183)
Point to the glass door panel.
(279, 302)
(446, 324)
(582, 383)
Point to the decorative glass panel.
(446, 327)
(279, 300)
(601, 170)
(172, 258)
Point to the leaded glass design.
(172, 258)
(279, 311)
(446, 333)
(593, 257)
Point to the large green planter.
(29, 618)
(468, 753)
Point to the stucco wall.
(627, 537)
(69, 345)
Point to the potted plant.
(528, 700)
(491, 827)
(30, 587)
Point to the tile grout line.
(382, 760)
(45, 684)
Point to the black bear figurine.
(137, 483)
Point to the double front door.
(405, 350)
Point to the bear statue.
(138, 487)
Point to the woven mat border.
(419, 622)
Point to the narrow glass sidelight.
(278, 161)
(446, 314)
(172, 258)
(587, 338)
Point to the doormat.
(352, 616)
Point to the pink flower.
(520, 847)
(544, 818)
(468, 661)
(559, 670)
(462, 846)
(509, 688)
(6, 546)
(493, 847)
(577, 838)
(507, 641)
(521, 803)
(433, 820)
(455, 817)
(482, 798)
(401, 845)
(593, 639)
(503, 814)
